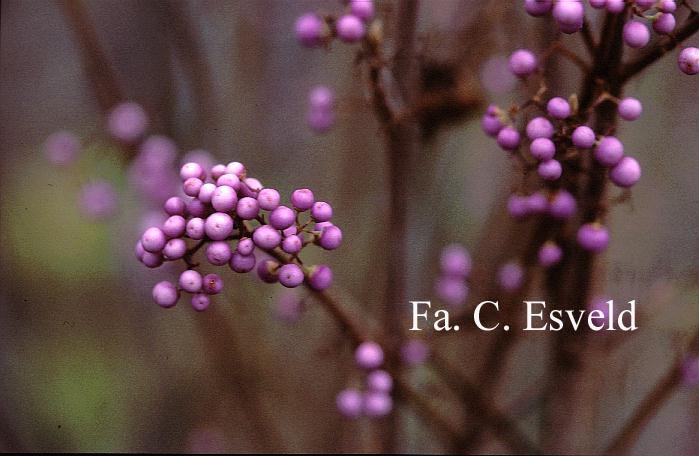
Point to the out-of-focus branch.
(651, 404)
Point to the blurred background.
(90, 363)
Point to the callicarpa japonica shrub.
(205, 219)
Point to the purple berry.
(127, 122)
(218, 171)
(302, 199)
(349, 403)
(452, 290)
(218, 253)
(583, 137)
(139, 250)
(321, 98)
(206, 192)
(224, 198)
(230, 180)
(615, 6)
(310, 30)
(200, 302)
(542, 149)
(598, 4)
(609, 151)
(191, 281)
(320, 121)
(558, 108)
(195, 228)
(196, 208)
(539, 127)
(523, 63)
(292, 244)
(455, 261)
(218, 226)
(236, 168)
(363, 9)
(636, 34)
(626, 173)
(320, 277)
(321, 211)
(538, 8)
(292, 230)
(569, 15)
(282, 218)
(266, 237)
(414, 352)
(174, 226)
(508, 138)
(491, 124)
(245, 246)
(242, 263)
(593, 237)
(550, 254)
(562, 205)
(511, 277)
(379, 381)
(175, 206)
(688, 60)
(667, 6)
(192, 169)
(248, 208)
(250, 187)
(330, 238)
(267, 271)
(537, 203)
(175, 249)
(350, 29)
(368, 355)
(290, 275)
(165, 294)
(62, 148)
(212, 284)
(550, 170)
(517, 206)
(630, 109)
(268, 199)
(664, 23)
(377, 404)
(192, 186)
(152, 260)
(153, 240)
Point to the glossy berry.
(508, 138)
(282, 218)
(350, 402)
(664, 23)
(224, 199)
(321, 211)
(667, 6)
(310, 30)
(206, 193)
(302, 199)
(212, 284)
(593, 237)
(377, 404)
(455, 261)
(549, 254)
(175, 206)
(229, 179)
(330, 238)
(562, 205)
(290, 275)
(550, 170)
(200, 302)
(218, 253)
(350, 28)
(626, 173)
(152, 260)
(165, 294)
(583, 137)
(153, 240)
(174, 249)
(636, 34)
(539, 127)
(218, 226)
(192, 169)
(268, 199)
(174, 226)
(266, 237)
(542, 149)
(368, 355)
(321, 98)
(363, 9)
(379, 381)
(538, 8)
(292, 244)
(688, 60)
(609, 151)
(615, 6)
(247, 208)
(320, 277)
(630, 109)
(491, 124)
(569, 15)
(191, 281)
(195, 228)
(245, 246)
(192, 186)
(537, 203)
(242, 263)
(62, 148)
(558, 108)
(523, 63)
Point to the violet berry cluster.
(454, 269)
(313, 30)
(232, 217)
(374, 399)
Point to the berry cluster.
(375, 400)
(454, 267)
(226, 205)
(313, 31)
